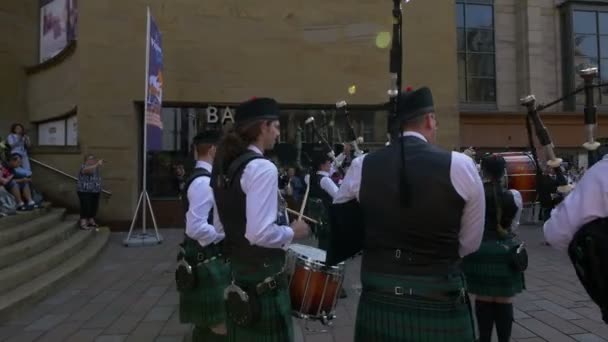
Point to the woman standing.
(89, 188)
(20, 143)
(493, 274)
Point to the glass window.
(181, 124)
(590, 44)
(62, 132)
(476, 59)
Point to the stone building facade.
(217, 53)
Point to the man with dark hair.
(201, 301)
(321, 195)
(253, 215)
(423, 210)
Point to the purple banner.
(154, 97)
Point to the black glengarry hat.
(493, 166)
(255, 109)
(207, 137)
(412, 104)
(320, 155)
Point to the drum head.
(308, 252)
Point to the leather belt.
(411, 292)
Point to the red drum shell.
(521, 174)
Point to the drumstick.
(291, 211)
(305, 199)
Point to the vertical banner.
(154, 87)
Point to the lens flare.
(383, 39)
(352, 89)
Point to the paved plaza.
(128, 294)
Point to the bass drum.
(521, 174)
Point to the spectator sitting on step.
(18, 186)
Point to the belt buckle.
(271, 283)
(200, 256)
(397, 254)
(399, 291)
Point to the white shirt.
(587, 202)
(466, 181)
(327, 184)
(520, 204)
(200, 199)
(260, 183)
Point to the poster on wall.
(72, 131)
(154, 87)
(52, 133)
(58, 20)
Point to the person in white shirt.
(422, 211)
(321, 195)
(253, 216)
(587, 202)
(201, 300)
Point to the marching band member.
(424, 210)
(322, 193)
(587, 202)
(489, 273)
(201, 300)
(253, 215)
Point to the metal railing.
(65, 174)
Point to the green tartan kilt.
(488, 271)
(204, 306)
(385, 317)
(316, 210)
(275, 323)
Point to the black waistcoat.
(509, 210)
(317, 191)
(425, 232)
(231, 206)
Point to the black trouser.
(89, 201)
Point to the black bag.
(589, 256)
(519, 257)
(242, 307)
(185, 274)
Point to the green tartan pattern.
(317, 210)
(275, 324)
(489, 273)
(383, 317)
(205, 304)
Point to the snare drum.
(521, 174)
(314, 288)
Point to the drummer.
(322, 193)
(252, 212)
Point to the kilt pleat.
(488, 272)
(389, 318)
(275, 323)
(205, 305)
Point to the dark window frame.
(570, 78)
(467, 103)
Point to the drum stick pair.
(291, 211)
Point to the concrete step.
(21, 217)
(32, 291)
(31, 227)
(27, 269)
(13, 254)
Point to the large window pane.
(480, 40)
(462, 60)
(480, 65)
(459, 15)
(461, 40)
(584, 22)
(603, 22)
(603, 46)
(585, 45)
(479, 16)
(481, 90)
(603, 75)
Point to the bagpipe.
(535, 123)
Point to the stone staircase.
(38, 251)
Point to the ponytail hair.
(235, 142)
